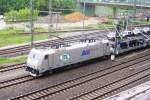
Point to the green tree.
(64, 4)
(8, 5)
(41, 5)
(20, 15)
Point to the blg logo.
(85, 52)
(64, 57)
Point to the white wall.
(2, 23)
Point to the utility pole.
(50, 18)
(84, 14)
(78, 6)
(134, 8)
(126, 22)
(31, 22)
(114, 48)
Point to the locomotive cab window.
(46, 57)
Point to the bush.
(21, 15)
(11, 16)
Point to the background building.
(100, 7)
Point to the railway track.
(102, 92)
(14, 51)
(12, 67)
(15, 81)
(86, 80)
(139, 91)
(25, 48)
(20, 80)
(62, 31)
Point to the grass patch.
(99, 26)
(105, 26)
(39, 29)
(12, 60)
(14, 36)
(138, 22)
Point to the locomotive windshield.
(35, 55)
